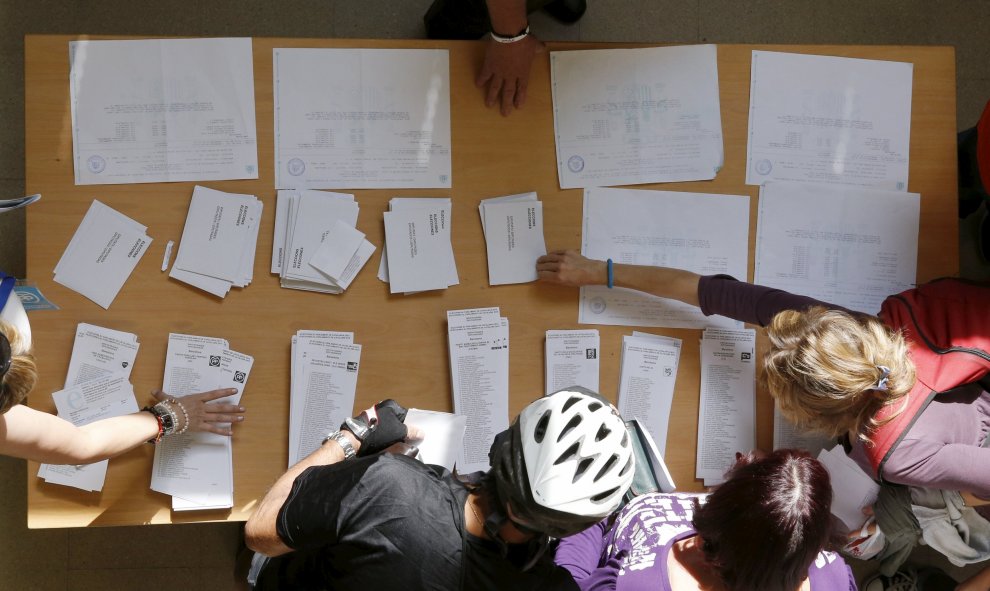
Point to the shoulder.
(830, 572)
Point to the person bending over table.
(850, 374)
(349, 517)
(34, 435)
(765, 528)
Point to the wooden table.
(404, 338)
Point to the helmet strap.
(493, 524)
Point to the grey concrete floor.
(202, 556)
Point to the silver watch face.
(358, 429)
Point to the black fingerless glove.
(378, 432)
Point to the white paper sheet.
(632, 116)
(787, 435)
(572, 359)
(443, 206)
(421, 256)
(727, 406)
(162, 110)
(852, 489)
(513, 240)
(444, 436)
(98, 352)
(833, 120)
(362, 118)
(478, 342)
(647, 374)
(312, 216)
(699, 232)
(848, 246)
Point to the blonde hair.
(823, 368)
(22, 376)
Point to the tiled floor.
(202, 556)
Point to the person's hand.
(506, 71)
(379, 427)
(202, 415)
(568, 267)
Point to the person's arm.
(505, 70)
(580, 554)
(33, 435)
(978, 582)
(570, 268)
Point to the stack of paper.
(628, 116)
(832, 120)
(17, 202)
(444, 436)
(852, 489)
(324, 373)
(96, 387)
(478, 341)
(102, 253)
(702, 233)
(572, 359)
(647, 373)
(197, 469)
(513, 228)
(727, 409)
(316, 246)
(422, 257)
(218, 241)
(856, 247)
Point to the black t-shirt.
(389, 522)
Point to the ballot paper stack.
(478, 341)
(422, 257)
(316, 246)
(852, 488)
(324, 372)
(218, 241)
(102, 254)
(727, 409)
(513, 228)
(96, 387)
(197, 469)
(572, 359)
(647, 373)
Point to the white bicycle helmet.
(565, 463)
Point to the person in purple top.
(830, 369)
(764, 529)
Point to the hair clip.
(884, 378)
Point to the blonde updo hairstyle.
(22, 376)
(823, 369)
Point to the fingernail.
(240, 418)
(241, 409)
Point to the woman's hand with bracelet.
(570, 268)
(196, 412)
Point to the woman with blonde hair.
(904, 385)
(30, 434)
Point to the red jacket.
(947, 326)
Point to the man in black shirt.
(383, 521)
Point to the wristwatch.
(343, 442)
(358, 428)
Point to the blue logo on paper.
(575, 163)
(764, 167)
(96, 164)
(296, 167)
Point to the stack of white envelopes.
(97, 387)
(218, 241)
(317, 246)
(102, 254)
(421, 257)
(324, 374)
(513, 228)
(197, 469)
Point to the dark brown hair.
(765, 526)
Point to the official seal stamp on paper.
(296, 167)
(575, 163)
(764, 166)
(597, 305)
(96, 164)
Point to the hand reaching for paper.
(381, 426)
(506, 71)
(570, 268)
(201, 414)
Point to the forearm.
(978, 582)
(508, 17)
(665, 282)
(260, 531)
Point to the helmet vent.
(583, 466)
(594, 406)
(604, 495)
(603, 432)
(569, 453)
(627, 467)
(569, 403)
(541, 427)
(625, 439)
(608, 466)
(570, 426)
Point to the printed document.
(634, 116)
(787, 435)
(99, 352)
(444, 436)
(162, 110)
(362, 118)
(102, 254)
(703, 233)
(420, 257)
(852, 489)
(647, 374)
(513, 229)
(831, 120)
(478, 341)
(343, 253)
(572, 359)
(443, 207)
(727, 408)
(847, 246)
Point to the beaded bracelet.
(185, 415)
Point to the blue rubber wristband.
(610, 283)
